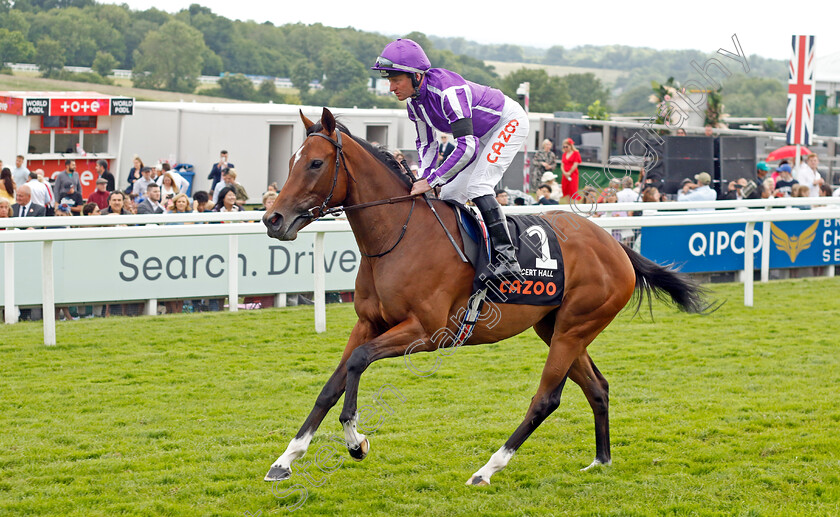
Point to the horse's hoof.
(360, 452)
(278, 473)
(597, 463)
(478, 481)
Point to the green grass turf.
(736, 413)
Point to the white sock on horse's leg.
(352, 437)
(296, 449)
(498, 461)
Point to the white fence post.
(48, 292)
(749, 266)
(9, 283)
(765, 251)
(233, 273)
(151, 307)
(320, 285)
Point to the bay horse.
(411, 282)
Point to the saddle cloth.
(537, 250)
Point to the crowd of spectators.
(781, 181)
(148, 190)
(767, 182)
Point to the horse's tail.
(653, 280)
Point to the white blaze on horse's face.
(297, 156)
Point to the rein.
(323, 210)
(389, 201)
(339, 159)
(402, 234)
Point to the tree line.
(761, 92)
(169, 51)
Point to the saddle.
(473, 234)
(537, 250)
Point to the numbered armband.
(462, 127)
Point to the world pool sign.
(720, 247)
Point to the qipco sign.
(720, 247)
(699, 248)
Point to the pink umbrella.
(788, 151)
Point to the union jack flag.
(800, 106)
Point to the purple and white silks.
(444, 98)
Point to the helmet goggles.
(388, 68)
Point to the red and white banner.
(80, 107)
(11, 105)
(801, 89)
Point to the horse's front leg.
(332, 391)
(392, 343)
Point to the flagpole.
(796, 163)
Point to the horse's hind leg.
(585, 374)
(571, 336)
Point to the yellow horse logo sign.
(793, 244)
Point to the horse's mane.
(384, 157)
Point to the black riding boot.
(504, 263)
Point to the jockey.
(488, 128)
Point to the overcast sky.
(763, 28)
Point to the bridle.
(339, 160)
(323, 210)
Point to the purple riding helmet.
(402, 56)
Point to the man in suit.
(151, 205)
(216, 171)
(24, 206)
(445, 148)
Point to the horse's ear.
(306, 122)
(328, 121)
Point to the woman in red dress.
(570, 158)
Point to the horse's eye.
(316, 164)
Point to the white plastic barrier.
(159, 226)
(156, 226)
